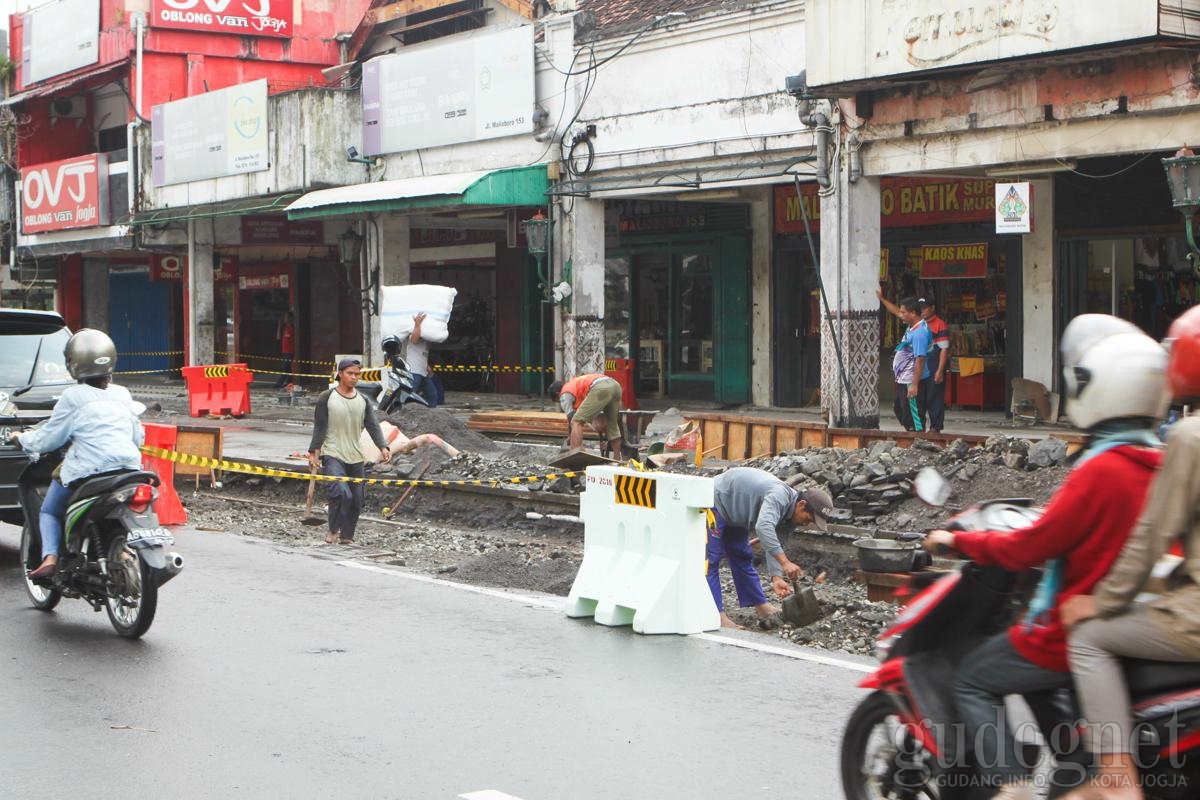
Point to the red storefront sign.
(61, 195)
(243, 17)
(946, 261)
(269, 229)
(172, 268)
(903, 203)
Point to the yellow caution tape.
(148, 371)
(269, 472)
(151, 353)
(247, 357)
(486, 368)
(293, 374)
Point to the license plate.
(149, 536)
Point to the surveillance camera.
(797, 85)
(352, 151)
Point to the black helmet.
(90, 354)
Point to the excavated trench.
(527, 536)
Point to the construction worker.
(593, 400)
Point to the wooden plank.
(761, 440)
(788, 438)
(737, 441)
(198, 441)
(713, 434)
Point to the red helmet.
(1183, 367)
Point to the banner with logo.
(61, 195)
(172, 268)
(243, 17)
(211, 135)
(1014, 208)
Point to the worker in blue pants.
(745, 500)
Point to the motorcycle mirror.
(931, 488)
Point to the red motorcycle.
(903, 743)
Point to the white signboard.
(59, 37)
(211, 135)
(851, 40)
(448, 92)
(1014, 208)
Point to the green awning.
(517, 186)
(229, 208)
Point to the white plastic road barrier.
(643, 552)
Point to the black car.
(31, 355)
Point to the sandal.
(345, 541)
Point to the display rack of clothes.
(1157, 298)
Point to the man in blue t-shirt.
(910, 366)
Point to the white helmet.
(1084, 331)
(1121, 375)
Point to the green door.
(732, 296)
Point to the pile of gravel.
(414, 419)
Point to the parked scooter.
(397, 388)
(114, 553)
(902, 741)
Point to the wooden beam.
(522, 7)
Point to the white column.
(200, 291)
(761, 292)
(1037, 289)
(387, 262)
(581, 243)
(850, 274)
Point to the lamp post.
(349, 246)
(1183, 178)
(537, 241)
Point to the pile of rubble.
(873, 483)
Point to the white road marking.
(541, 602)
(488, 794)
(775, 650)
(557, 604)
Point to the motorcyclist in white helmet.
(1114, 387)
(98, 419)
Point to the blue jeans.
(51, 516)
(345, 499)
(734, 543)
(428, 387)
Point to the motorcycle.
(114, 552)
(900, 742)
(398, 386)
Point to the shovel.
(309, 518)
(802, 607)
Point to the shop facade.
(1076, 117)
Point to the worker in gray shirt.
(341, 416)
(747, 502)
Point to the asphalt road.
(272, 673)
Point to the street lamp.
(537, 241)
(1183, 177)
(350, 245)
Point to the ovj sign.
(245, 17)
(65, 194)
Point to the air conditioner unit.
(69, 107)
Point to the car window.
(28, 358)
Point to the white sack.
(401, 303)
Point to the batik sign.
(948, 261)
(61, 195)
(903, 203)
(243, 17)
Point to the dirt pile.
(414, 419)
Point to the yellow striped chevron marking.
(633, 490)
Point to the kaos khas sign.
(65, 194)
(245, 17)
